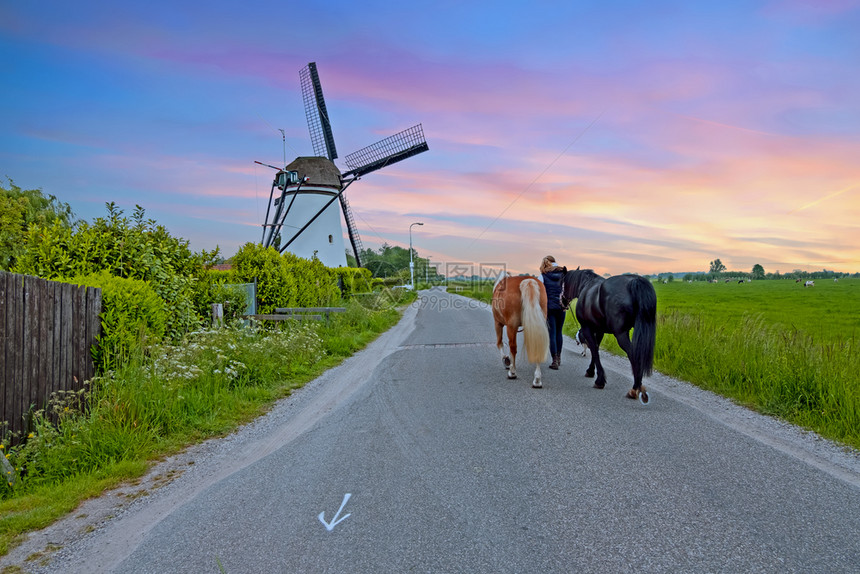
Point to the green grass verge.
(774, 346)
(156, 405)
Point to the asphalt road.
(422, 457)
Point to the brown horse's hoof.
(632, 394)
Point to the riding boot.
(554, 365)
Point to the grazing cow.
(809, 284)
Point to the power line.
(576, 139)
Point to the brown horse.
(521, 302)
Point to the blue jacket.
(553, 281)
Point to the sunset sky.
(622, 136)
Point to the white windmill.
(305, 219)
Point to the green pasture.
(775, 346)
(829, 311)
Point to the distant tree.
(757, 272)
(393, 261)
(717, 266)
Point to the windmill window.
(330, 239)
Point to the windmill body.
(323, 239)
(305, 217)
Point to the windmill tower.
(305, 217)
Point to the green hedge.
(133, 315)
(286, 280)
(133, 247)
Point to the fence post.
(217, 315)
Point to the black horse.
(614, 306)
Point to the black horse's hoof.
(507, 362)
(599, 385)
(589, 374)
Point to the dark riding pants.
(554, 322)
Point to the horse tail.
(535, 332)
(645, 324)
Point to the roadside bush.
(134, 248)
(285, 280)
(132, 316)
(20, 208)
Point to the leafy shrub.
(285, 280)
(132, 316)
(134, 248)
(19, 208)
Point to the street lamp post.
(411, 263)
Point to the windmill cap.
(319, 170)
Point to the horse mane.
(577, 280)
(584, 274)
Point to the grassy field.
(828, 311)
(775, 346)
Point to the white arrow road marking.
(335, 521)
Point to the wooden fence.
(47, 330)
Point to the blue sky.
(621, 136)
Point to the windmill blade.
(316, 113)
(351, 229)
(392, 149)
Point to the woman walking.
(552, 277)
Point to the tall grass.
(165, 399)
(775, 346)
(787, 373)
